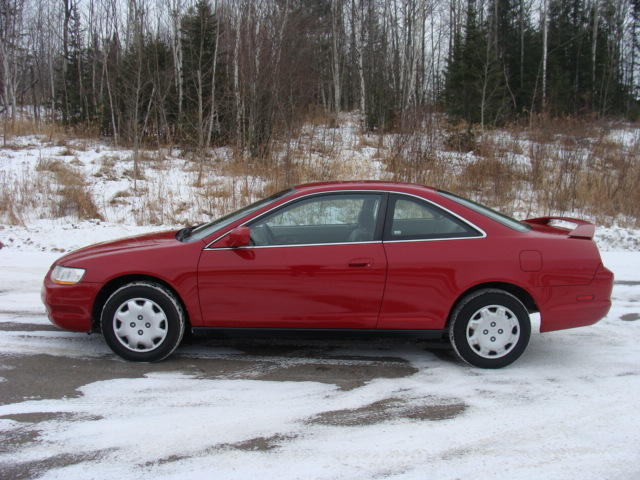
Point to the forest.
(225, 72)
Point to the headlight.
(66, 275)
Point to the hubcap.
(140, 324)
(493, 331)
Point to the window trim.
(377, 230)
(377, 236)
(395, 196)
(382, 218)
(487, 212)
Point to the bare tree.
(336, 34)
(545, 48)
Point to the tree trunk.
(236, 80)
(357, 5)
(336, 14)
(213, 123)
(67, 5)
(594, 46)
(545, 33)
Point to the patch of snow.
(626, 137)
(617, 238)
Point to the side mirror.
(238, 237)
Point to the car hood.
(137, 242)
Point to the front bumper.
(70, 306)
(576, 305)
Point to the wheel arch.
(115, 283)
(520, 293)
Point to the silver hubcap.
(140, 324)
(493, 331)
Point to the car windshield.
(488, 212)
(207, 229)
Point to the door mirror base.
(238, 237)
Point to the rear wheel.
(490, 328)
(142, 321)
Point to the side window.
(333, 218)
(413, 219)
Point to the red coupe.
(350, 256)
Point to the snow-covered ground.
(320, 408)
(172, 187)
(290, 407)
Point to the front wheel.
(490, 328)
(142, 322)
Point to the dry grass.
(53, 132)
(107, 168)
(21, 127)
(459, 137)
(600, 177)
(76, 201)
(20, 194)
(74, 198)
(414, 158)
(320, 117)
(120, 198)
(613, 181)
(370, 141)
(134, 174)
(573, 166)
(16, 147)
(568, 131)
(66, 152)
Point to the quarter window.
(413, 219)
(335, 218)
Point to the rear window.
(413, 219)
(488, 212)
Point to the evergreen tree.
(569, 52)
(71, 95)
(202, 77)
(517, 51)
(494, 68)
(474, 89)
(382, 99)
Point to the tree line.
(246, 72)
(579, 58)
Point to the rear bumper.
(70, 306)
(576, 306)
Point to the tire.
(152, 332)
(490, 328)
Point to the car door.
(427, 250)
(316, 262)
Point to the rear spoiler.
(583, 230)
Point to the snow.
(566, 409)
(625, 265)
(167, 183)
(174, 189)
(626, 137)
(62, 235)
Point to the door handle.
(360, 262)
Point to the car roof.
(361, 185)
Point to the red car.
(349, 255)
